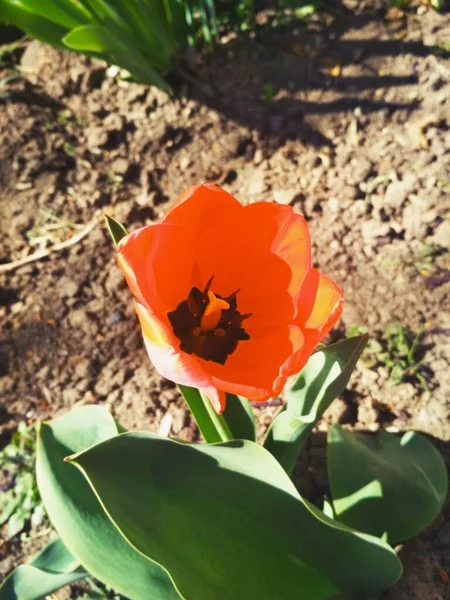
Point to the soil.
(346, 118)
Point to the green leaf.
(319, 383)
(213, 427)
(119, 48)
(116, 230)
(227, 522)
(67, 13)
(77, 515)
(383, 484)
(33, 24)
(53, 568)
(438, 4)
(239, 417)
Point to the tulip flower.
(226, 295)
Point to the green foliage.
(116, 230)
(77, 515)
(236, 422)
(145, 37)
(51, 569)
(398, 3)
(20, 503)
(401, 357)
(319, 383)
(428, 256)
(228, 499)
(438, 4)
(239, 417)
(268, 93)
(372, 348)
(398, 351)
(385, 485)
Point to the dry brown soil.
(356, 137)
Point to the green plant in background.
(438, 4)
(398, 351)
(373, 348)
(145, 37)
(20, 502)
(268, 93)
(398, 3)
(428, 255)
(401, 357)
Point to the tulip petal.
(286, 235)
(200, 206)
(264, 252)
(157, 261)
(258, 369)
(327, 306)
(320, 304)
(173, 364)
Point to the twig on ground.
(77, 237)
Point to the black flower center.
(208, 325)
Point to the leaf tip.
(116, 230)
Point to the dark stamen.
(215, 345)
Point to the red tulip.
(226, 296)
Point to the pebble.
(120, 166)
(83, 368)
(257, 185)
(441, 235)
(285, 196)
(17, 307)
(113, 122)
(78, 319)
(373, 229)
(258, 157)
(96, 137)
(113, 319)
(396, 194)
(67, 287)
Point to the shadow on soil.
(279, 81)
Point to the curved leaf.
(240, 419)
(53, 568)
(383, 484)
(77, 515)
(319, 383)
(120, 49)
(116, 230)
(227, 522)
(38, 27)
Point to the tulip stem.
(213, 427)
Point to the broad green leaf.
(93, 38)
(227, 522)
(319, 383)
(66, 13)
(213, 427)
(77, 515)
(34, 25)
(240, 419)
(53, 568)
(383, 484)
(116, 230)
(151, 30)
(119, 47)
